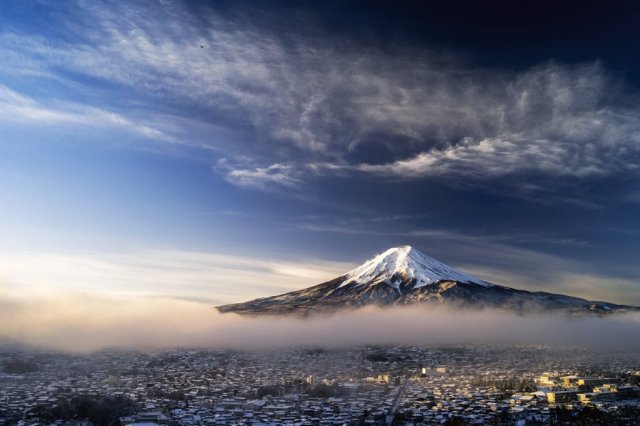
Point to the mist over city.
(88, 324)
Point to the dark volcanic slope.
(404, 276)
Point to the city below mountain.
(404, 276)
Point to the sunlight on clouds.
(75, 321)
(81, 323)
(619, 290)
(209, 277)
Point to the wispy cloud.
(260, 177)
(552, 121)
(19, 108)
(308, 105)
(360, 226)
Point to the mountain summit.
(405, 276)
(406, 264)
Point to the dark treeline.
(591, 416)
(19, 366)
(319, 390)
(98, 409)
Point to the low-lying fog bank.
(84, 323)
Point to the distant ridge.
(405, 276)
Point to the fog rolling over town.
(87, 325)
(319, 213)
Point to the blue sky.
(217, 151)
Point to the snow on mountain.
(406, 263)
(403, 276)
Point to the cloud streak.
(211, 277)
(16, 108)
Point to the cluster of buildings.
(602, 392)
(436, 399)
(365, 406)
(354, 386)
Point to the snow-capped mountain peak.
(406, 263)
(403, 276)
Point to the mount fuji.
(405, 276)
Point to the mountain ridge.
(404, 276)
